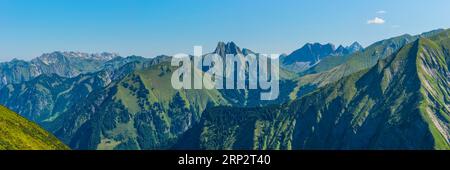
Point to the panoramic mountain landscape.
(207, 75)
(392, 94)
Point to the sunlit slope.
(17, 133)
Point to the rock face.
(308, 55)
(341, 50)
(400, 103)
(17, 133)
(355, 47)
(223, 49)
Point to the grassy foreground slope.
(17, 133)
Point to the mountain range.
(400, 103)
(312, 54)
(392, 94)
(66, 64)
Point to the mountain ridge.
(312, 54)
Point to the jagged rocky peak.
(355, 47)
(310, 52)
(317, 46)
(50, 58)
(229, 48)
(318, 49)
(341, 50)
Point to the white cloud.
(376, 20)
(381, 12)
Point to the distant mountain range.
(312, 54)
(65, 64)
(392, 94)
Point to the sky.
(29, 28)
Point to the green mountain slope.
(140, 111)
(17, 133)
(400, 103)
(48, 96)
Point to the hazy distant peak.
(355, 47)
(58, 55)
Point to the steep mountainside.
(140, 111)
(47, 96)
(400, 103)
(17, 133)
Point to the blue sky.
(29, 28)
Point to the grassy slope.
(432, 65)
(17, 133)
